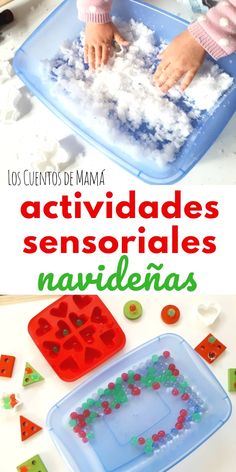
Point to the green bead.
(97, 404)
(119, 381)
(149, 442)
(93, 415)
(107, 391)
(196, 417)
(84, 406)
(134, 440)
(90, 402)
(55, 349)
(72, 423)
(100, 392)
(211, 339)
(90, 435)
(151, 370)
(148, 449)
(154, 358)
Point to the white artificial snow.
(121, 102)
(5, 71)
(46, 153)
(9, 98)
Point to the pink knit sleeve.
(94, 11)
(216, 31)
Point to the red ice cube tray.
(75, 334)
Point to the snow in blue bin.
(113, 445)
(63, 25)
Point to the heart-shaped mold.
(53, 348)
(91, 354)
(63, 330)
(77, 320)
(208, 314)
(87, 334)
(82, 301)
(60, 311)
(69, 364)
(108, 336)
(97, 317)
(73, 343)
(43, 327)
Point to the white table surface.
(217, 167)
(217, 454)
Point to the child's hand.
(98, 43)
(181, 59)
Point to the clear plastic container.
(63, 25)
(153, 410)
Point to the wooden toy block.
(35, 464)
(232, 380)
(6, 365)
(210, 348)
(31, 375)
(28, 428)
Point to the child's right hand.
(98, 43)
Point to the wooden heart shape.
(82, 301)
(43, 327)
(208, 314)
(73, 344)
(60, 311)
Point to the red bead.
(86, 413)
(124, 376)
(136, 391)
(77, 428)
(141, 441)
(108, 411)
(166, 354)
(156, 386)
(185, 396)
(155, 437)
(82, 423)
(183, 412)
(85, 440)
(161, 434)
(175, 392)
(179, 426)
(111, 386)
(181, 419)
(171, 367)
(117, 406)
(82, 434)
(137, 377)
(74, 415)
(175, 372)
(105, 404)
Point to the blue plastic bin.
(111, 450)
(62, 25)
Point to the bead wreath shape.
(159, 372)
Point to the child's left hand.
(180, 60)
